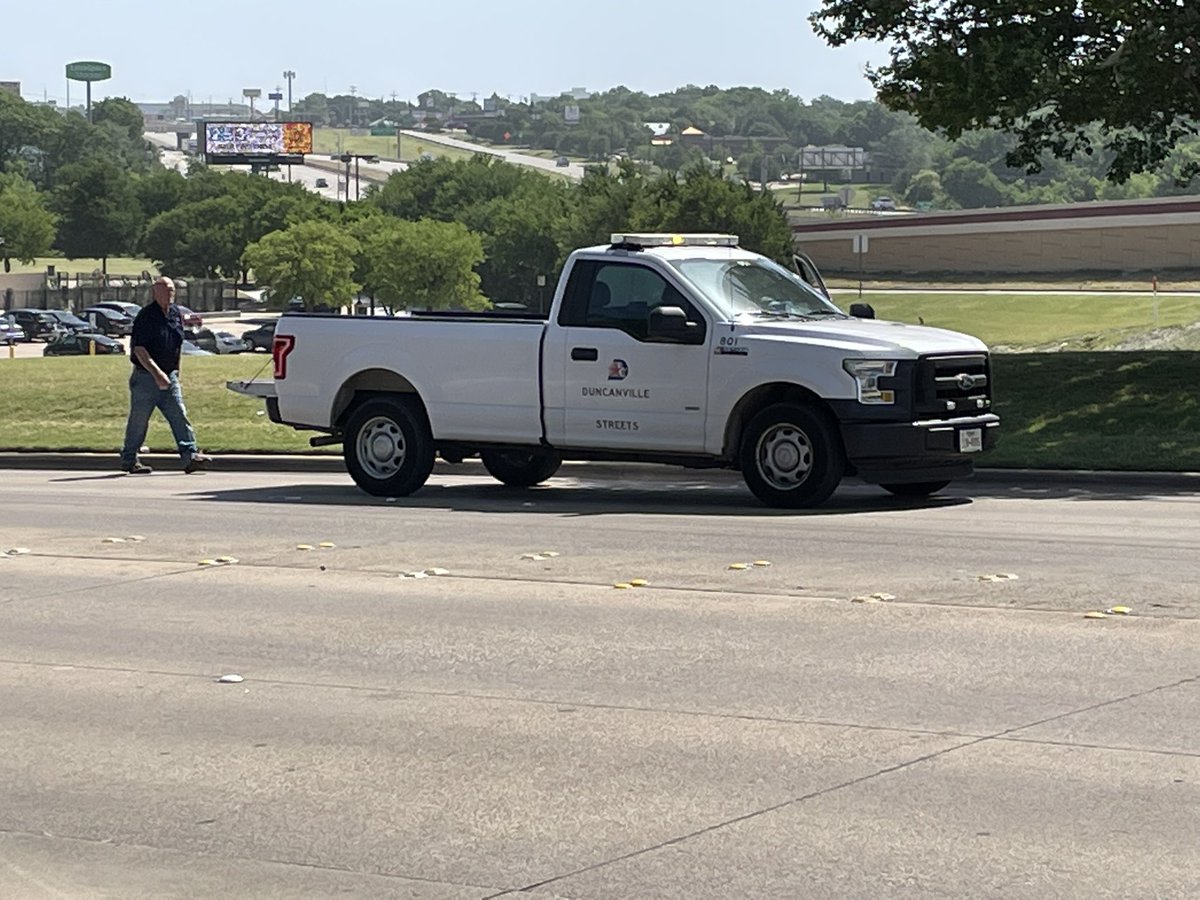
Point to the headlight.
(867, 372)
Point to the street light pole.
(289, 75)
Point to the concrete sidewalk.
(332, 463)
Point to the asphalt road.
(520, 724)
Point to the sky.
(213, 49)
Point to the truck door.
(621, 387)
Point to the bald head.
(163, 290)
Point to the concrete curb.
(332, 463)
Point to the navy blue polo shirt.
(160, 333)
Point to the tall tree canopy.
(1043, 71)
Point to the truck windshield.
(755, 287)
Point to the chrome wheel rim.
(785, 456)
(380, 447)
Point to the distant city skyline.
(216, 50)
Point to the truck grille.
(951, 386)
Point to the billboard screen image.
(243, 142)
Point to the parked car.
(190, 349)
(322, 183)
(10, 331)
(262, 337)
(192, 321)
(37, 324)
(882, 203)
(129, 309)
(71, 322)
(80, 345)
(562, 161)
(220, 342)
(108, 321)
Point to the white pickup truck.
(678, 349)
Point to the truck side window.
(620, 296)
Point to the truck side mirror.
(670, 323)
(862, 310)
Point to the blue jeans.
(144, 397)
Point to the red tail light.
(280, 348)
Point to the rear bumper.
(897, 452)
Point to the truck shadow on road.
(586, 499)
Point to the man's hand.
(161, 379)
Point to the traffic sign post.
(861, 243)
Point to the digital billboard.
(234, 143)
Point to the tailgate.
(263, 390)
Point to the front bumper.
(931, 450)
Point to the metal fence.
(78, 292)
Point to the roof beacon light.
(641, 241)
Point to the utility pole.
(289, 75)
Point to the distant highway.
(573, 171)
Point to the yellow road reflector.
(304, 546)
(1095, 614)
(533, 556)
(638, 582)
(1120, 610)
(762, 563)
(549, 554)
(623, 585)
(114, 540)
(739, 566)
(327, 545)
(227, 560)
(208, 562)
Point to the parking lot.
(450, 696)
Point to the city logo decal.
(617, 370)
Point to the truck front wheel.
(387, 447)
(791, 456)
(521, 468)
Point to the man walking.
(155, 344)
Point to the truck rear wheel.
(915, 488)
(387, 447)
(791, 456)
(521, 468)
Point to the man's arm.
(160, 377)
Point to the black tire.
(791, 456)
(915, 488)
(521, 468)
(387, 447)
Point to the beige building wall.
(1163, 237)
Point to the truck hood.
(865, 336)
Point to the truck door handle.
(584, 354)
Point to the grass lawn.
(339, 140)
(1097, 410)
(80, 403)
(1087, 410)
(1033, 320)
(117, 265)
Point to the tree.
(98, 209)
(972, 185)
(197, 239)
(704, 201)
(1041, 71)
(123, 114)
(425, 265)
(26, 226)
(311, 260)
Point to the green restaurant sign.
(89, 71)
